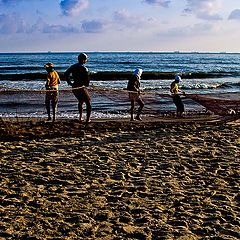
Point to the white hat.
(178, 78)
(138, 72)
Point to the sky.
(119, 25)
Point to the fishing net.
(224, 104)
(113, 102)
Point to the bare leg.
(89, 109)
(141, 105)
(54, 107)
(131, 110)
(47, 103)
(80, 109)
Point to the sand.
(120, 180)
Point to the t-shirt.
(53, 79)
(79, 74)
(134, 83)
(174, 88)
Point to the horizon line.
(49, 52)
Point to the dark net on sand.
(223, 104)
(108, 100)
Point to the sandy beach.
(120, 180)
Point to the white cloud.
(73, 7)
(162, 3)
(188, 31)
(125, 18)
(42, 27)
(93, 26)
(14, 24)
(235, 15)
(10, 24)
(59, 29)
(204, 9)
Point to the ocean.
(202, 73)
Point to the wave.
(196, 86)
(19, 68)
(111, 75)
(128, 62)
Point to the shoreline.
(39, 128)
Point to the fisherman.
(174, 88)
(134, 93)
(80, 83)
(52, 90)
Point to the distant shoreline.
(154, 52)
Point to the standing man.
(174, 88)
(80, 83)
(52, 90)
(133, 87)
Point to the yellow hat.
(47, 65)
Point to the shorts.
(134, 96)
(82, 95)
(52, 96)
(178, 102)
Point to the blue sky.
(119, 25)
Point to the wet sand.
(120, 180)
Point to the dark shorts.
(134, 96)
(82, 95)
(52, 96)
(178, 102)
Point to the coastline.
(37, 128)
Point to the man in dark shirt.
(80, 83)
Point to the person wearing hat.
(134, 93)
(174, 89)
(52, 90)
(79, 84)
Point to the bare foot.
(138, 118)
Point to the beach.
(158, 179)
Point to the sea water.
(222, 75)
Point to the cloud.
(10, 24)
(186, 31)
(73, 7)
(42, 27)
(93, 26)
(14, 24)
(9, 1)
(125, 18)
(162, 3)
(204, 9)
(234, 15)
(60, 29)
